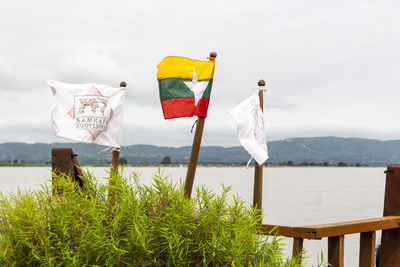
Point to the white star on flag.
(196, 87)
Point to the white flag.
(89, 113)
(250, 128)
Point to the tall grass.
(152, 225)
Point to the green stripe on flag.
(175, 87)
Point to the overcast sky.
(331, 66)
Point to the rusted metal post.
(64, 162)
(114, 167)
(194, 155)
(258, 169)
(61, 162)
(390, 245)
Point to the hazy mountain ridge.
(316, 149)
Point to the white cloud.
(90, 66)
(330, 65)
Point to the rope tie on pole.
(191, 131)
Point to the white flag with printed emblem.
(250, 128)
(89, 113)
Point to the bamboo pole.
(258, 169)
(194, 155)
(114, 167)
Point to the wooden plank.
(287, 231)
(270, 229)
(367, 249)
(392, 191)
(297, 248)
(79, 177)
(390, 252)
(390, 244)
(77, 169)
(350, 227)
(336, 251)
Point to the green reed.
(149, 225)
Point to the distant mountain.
(297, 150)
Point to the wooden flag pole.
(194, 155)
(115, 160)
(258, 169)
(114, 166)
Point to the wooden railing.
(335, 232)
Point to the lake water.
(291, 196)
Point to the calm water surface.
(291, 196)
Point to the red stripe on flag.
(202, 107)
(178, 107)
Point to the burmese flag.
(185, 86)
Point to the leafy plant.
(321, 260)
(149, 225)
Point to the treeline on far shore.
(168, 163)
(322, 164)
(316, 151)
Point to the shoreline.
(199, 165)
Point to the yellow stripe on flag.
(182, 67)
